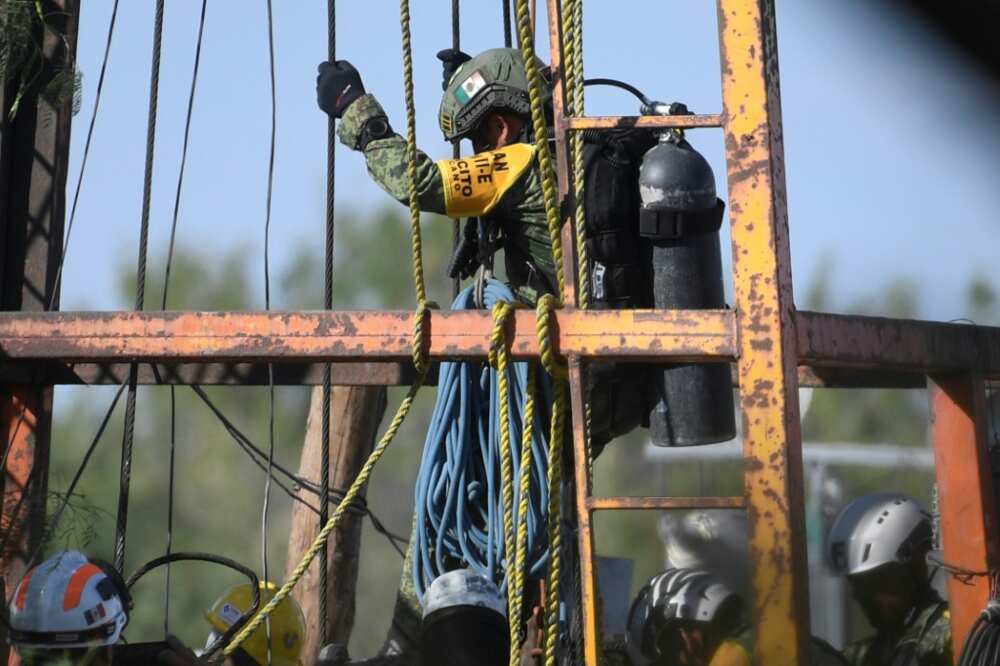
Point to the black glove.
(333, 654)
(465, 260)
(451, 60)
(337, 85)
(679, 109)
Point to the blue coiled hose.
(459, 508)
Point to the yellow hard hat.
(288, 627)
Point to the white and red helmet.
(69, 601)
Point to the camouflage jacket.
(504, 187)
(924, 641)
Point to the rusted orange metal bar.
(582, 488)
(34, 148)
(834, 350)
(664, 503)
(25, 414)
(562, 153)
(772, 441)
(966, 499)
(623, 122)
(902, 344)
(353, 336)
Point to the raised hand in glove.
(451, 60)
(337, 85)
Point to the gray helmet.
(675, 594)
(462, 587)
(493, 80)
(876, 530)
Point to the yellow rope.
(524, 490)
(543, 329)
(526, 35)
(543, 321)
(498, 358)
(411, 151)
(554, 523)
(420, 359)
(342, 508)
(572, 30)
(573, 56)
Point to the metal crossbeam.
(926, 347)
(833, 350)
(107, 337)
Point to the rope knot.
(421, 341)
(543, 328)
(502, 311)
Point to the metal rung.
(620, 122)
(643, 503)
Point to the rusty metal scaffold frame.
(774, 347)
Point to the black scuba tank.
(679, 223)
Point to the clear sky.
(891, 140)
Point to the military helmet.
(494, 80)
(677, 594)
(878, 529)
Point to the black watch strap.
(374, 129)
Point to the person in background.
(70, 609)
(880, 543)
(689, 617)
(287, 627)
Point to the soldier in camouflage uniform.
(880, 542)
(486, 100)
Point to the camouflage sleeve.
(935, 647)
(857, 652)
(386, 159)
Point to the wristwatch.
(374, 129)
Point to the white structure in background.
(716, 539)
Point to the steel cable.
(456, 148)
(163, 306)
(267, 307)
(331, 156)
(258, 457)
(128, 437)
(420, 359)
(508, 36)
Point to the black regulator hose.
(982, 645)
(615, 83)
(223, 640)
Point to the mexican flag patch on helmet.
(470, 87)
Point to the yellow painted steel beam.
(765, 319)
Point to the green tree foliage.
(866, 415)
(24, 25)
